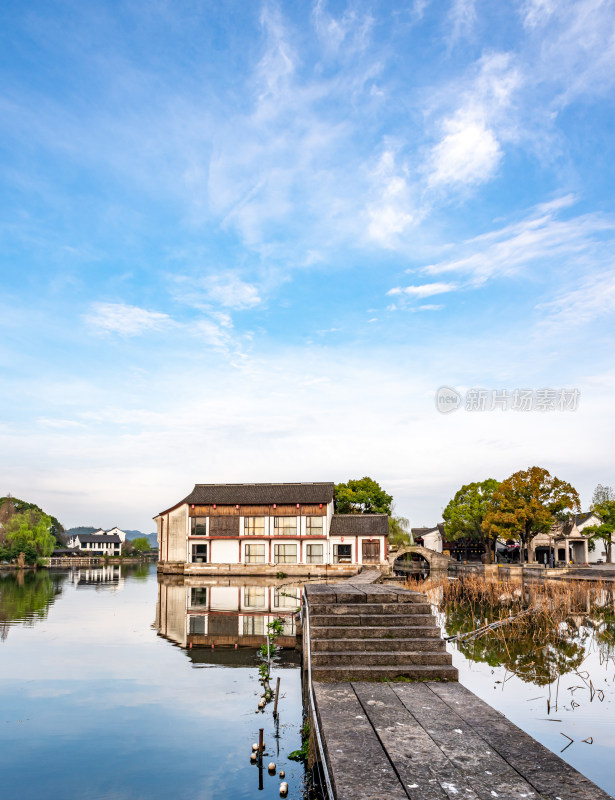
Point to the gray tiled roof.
(580, 518)
(361, 524)
(94, 538)
(260, 493)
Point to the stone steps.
(374, 633)
(335, 674)
(371, 608)
(356, 620)
(384, 658)
(368, 632)
(377, 645)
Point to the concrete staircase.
(362, 632)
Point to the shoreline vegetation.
(539, 630)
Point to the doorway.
(371, 552)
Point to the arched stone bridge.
(435, 560)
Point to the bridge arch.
(435, 560)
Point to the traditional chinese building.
(100, 543)
(264, 528)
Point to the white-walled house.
(106, 543)
(264, 528)
(567, 543)
(599, 552)
(431, 538)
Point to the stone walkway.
(366, 576)
(434, 741)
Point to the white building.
(599, 552)
(101, 543)
(431, 538)
(264, 528)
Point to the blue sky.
(248, 242)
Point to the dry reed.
(538, 629)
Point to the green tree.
(528, 503)
(30, 532)
(399, 533)
(606, 511)
(464, 514)
(140, 544)
(362, 496)
(9, 506)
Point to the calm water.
(551, 688)
(96, 703)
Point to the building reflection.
(225, 612)
(108, 576)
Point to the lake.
(556, 679)
(111, 689)
(96, 703)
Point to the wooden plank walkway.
(434, 741)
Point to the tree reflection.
(533, 652)
(26, 597)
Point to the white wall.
(347, 540)
(222, 551)
(433, 541)
(224, 598)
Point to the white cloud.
(349, 32)
(468, 153)
(278, 62)
(469, 150)
(537, 12)
(391, 211)
(540, 237)
(462, 16)
(589, 301)
(231, 292)
(125, 320)
(573, 47)
(427, 307)
(425, 290)
(212, 292)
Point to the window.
(285, 598)
(253, 626)
(314, 526)
(198, 526)
(342, 553)
(198, 596)
(254, 526)
(313, 554)
(199, 554)
(197, 625)
(285, 526)
(254, 596)
(255, 554)
(285, 553)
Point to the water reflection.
(225, 612)
(26, 596)
(542, 653)
(538, 631)
(139, 717)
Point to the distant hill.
(80, 529)
(151, 537)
